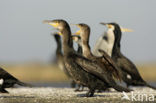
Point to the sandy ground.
(67, 95)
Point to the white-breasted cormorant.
(130, 73)
(106, 41)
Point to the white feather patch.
(1, 81)
(106, 45)
(129, 77)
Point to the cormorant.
(8, 81)
(80, 68)
(109, 67)
(60, 60)
(79, 50)
(131, 75)
(106, 42)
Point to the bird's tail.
(121, 89)
(144, 83)
(150, 86)
(24, 84)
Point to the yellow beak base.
(51, 23)
(78, 32)
(54, 24)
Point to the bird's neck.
(109, 39)
(79, 50)
(116, 54)
(59, 48)
(116, 48)
(67, 41)
(86, 49)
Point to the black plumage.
(79, 51)
(60, 60)
(109, 68)
(127, 66)
(8, 81)
(82, 70)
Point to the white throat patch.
(105, 44)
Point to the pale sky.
(23, 37)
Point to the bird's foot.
(77, 90)
(73, 84)
(90, 93)
(3, 91)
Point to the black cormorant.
(131, 75)
(79, 50)
(60, 60)
(8, 81)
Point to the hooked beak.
(79, 31)
(50, 22)
(106, 24)
(103, 23)
(122, 29)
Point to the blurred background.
(27, 50)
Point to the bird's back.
(128, 66)
(5, 75)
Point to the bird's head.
(113, 26)
(84, 31)
(58, 24)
